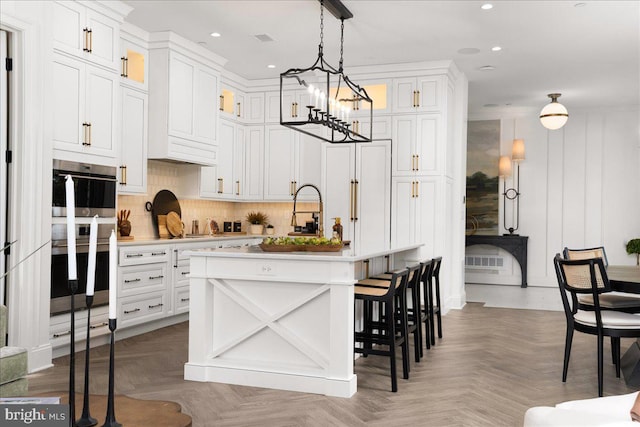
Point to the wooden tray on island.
(300, 248)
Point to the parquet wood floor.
(491, 365)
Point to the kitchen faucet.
(294, 223)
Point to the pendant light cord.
(321, 28)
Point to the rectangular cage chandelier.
(329, 95)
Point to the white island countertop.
(282, 320)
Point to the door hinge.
(8, 64)
(8, 156)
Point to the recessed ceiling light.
(271, 66)
(487, 68)
(215, 34)
(486, 6)
(496, 48)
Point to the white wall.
(580, 187)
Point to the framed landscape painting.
(483, 153)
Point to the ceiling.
(589, 51)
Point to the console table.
(515, 245)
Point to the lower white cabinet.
(60, 325)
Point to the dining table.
(626, 278)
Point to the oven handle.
(97, 178)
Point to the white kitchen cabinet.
(381, 126)
(85, 33)
(251, 188)
(182, 108)
(133, 144)
(415, 208)
(292, 159)
(222, 181)
(85, 100)
(240, 106)
(419, 94)
(252, 109)
(134, 64)
(293, 106)
(358, 183)
(417, 142)
(60, 326)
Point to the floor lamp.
(513, 193)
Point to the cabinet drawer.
(144, 255)
(143, 308)
(182, 271)
(60, 326)
(142, 278)
(181, 299)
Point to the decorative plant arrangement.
(257, 220)
(295, 244)
(633, 247)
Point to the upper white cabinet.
(240, 106)
(293, 105)
(253, 155)
(418, 94)
(83, 32)
(85, 100)
(133, 144)
(291, 160)
(134, 64)
(183, 108)
(416, 144)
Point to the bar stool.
(413, 313)
(434, 280)
(391, 327)
(427, 273)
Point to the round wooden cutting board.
(174, 224)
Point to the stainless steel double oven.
(95, 194)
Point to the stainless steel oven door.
(60, 292)
(95, 189)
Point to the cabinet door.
(273, 106)
(205, 105)
(338, 184)
(251, 187)
(430, 93)
(404, 140)
(102, 101)
(238, 161)
(403, 211)
(134, 65)
(427, 143)
(225, 173)
(68, 83)
(279, 167)
(373, 200)
(427, 229)
(68, 24)
(133, 146)
(309, 165)
(381, 127)
(104, 39)
(404, 95)
(209, 182)
(181, 91)
(253, 108)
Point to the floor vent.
(484, 261)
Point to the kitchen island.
(278, 320)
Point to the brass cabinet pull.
(355, 200)
(221, 102)
(292, 110)
(414, 98)
(131, 311)
(417, 162)
(417, 98)
(237, 188)
(90, 50)
(132, 280)
(351, 191)
(413, 189)
(98, 325)
(417, 188)
(291, 188)
(238, 114)
(85, 139)
(123, 72)
(295, 186)
(123, 175)
(220, 185)
(155, 306)
(89, 127)
(85, 41)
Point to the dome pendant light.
(554, 115)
